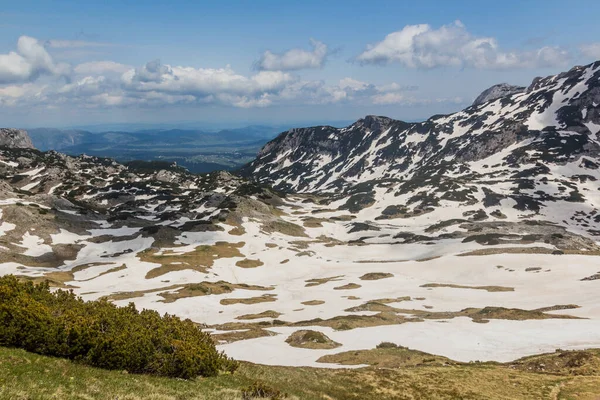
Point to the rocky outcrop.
(15, 138)
(497, 91)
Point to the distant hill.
(197, 150)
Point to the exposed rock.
(497, 91)
(15, 138)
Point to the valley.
(471, 236)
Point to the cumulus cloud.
(294, 59)
(421, 46)
(30, 78)
(590, 51)
(28, 62)
(222, 83)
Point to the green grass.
(26, 375)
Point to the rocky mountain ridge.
(555, 119)
(15, 138)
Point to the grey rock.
(497, 91)
(15, 138)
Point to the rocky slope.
(15, 138)
(535, 154)
(555, 120)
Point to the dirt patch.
(251, 300)
(201, 259)
(348, 286)
(55, 279)
(230, 337)
(207, 288)
(388, 300)
(110, 271)
(284, 227)
(52, 259)
(373, 276)
(307, 339)
(387, 357)
(237, 231)
(264, 314)
(486, 288)
(312, 222)
(188, 290)
(247, 263)
(313, 302)
(481, 315)
(321, 281)
(347, 322)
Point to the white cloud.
(591, 50)
(421, 46)
(294, 59)
(29, 62)
(389, 98)
(30, 78)
(222, 83)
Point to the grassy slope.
(29, 376)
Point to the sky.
(73, 63)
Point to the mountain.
(497, 91)
(474, 235)
(16, 138)
(57, 139)
(536, 151)
(198, 150)
(556, 119)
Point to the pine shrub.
(100, 334)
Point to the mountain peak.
(497, 91)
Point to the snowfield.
(474, 235)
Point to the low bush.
(387, 345)
(100, 334)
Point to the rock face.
(497, 91)
(15, 138)
(556, 120)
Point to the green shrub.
(387, 345)
(100, 334)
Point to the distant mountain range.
(197, 150)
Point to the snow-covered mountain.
(537, 152)
(375, 232)
(555, 120)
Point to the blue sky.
(233, 62)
